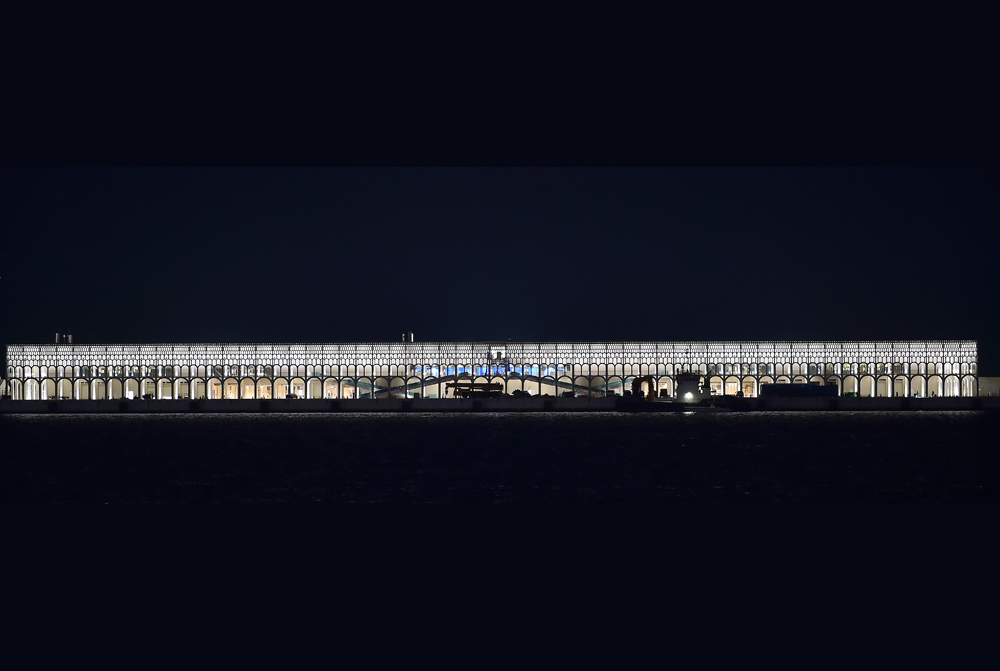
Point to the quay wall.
(554, 404)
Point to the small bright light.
(689, 395)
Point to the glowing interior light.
(689, 396)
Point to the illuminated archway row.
(360, 370)
(363, 387)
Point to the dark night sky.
(327, 255)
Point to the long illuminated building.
(380, 370)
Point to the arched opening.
(381, 388)
(196, 389)
(179, 388)
(750, 387)
(31, 390)
(627, 383)
(330, 388)
(900, 387)
(263, 388)
(665, 387)
(918, 387)
(215, 389)
(98, 390)
(65, 390)
(429, 386)
(715, 385)
(115, 388)
(935, 386)
(884, 386)
(614, 386)
(281, 390)
(782, 380)
(164, 389)
(850, 386)
(16, 390)
(732, 386)
(515, 384)
(867, 386)
(48, 389)
(247, 388)
(969, 386)
(132, 388)
(397, 386)
(951, 386)
(231, 389)
(297, 387)
(413, 387)
(599, 386)
(533, 385)
(647, 388)
(364, 387)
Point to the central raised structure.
(365, 370)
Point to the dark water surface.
(599, 457)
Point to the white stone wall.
(592, 365)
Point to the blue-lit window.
(461, 370)
(451, 370)
(434, 371)
(517, 370)
(502, 370)
(534, 370)
(418, 369)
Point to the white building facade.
(364, 370)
